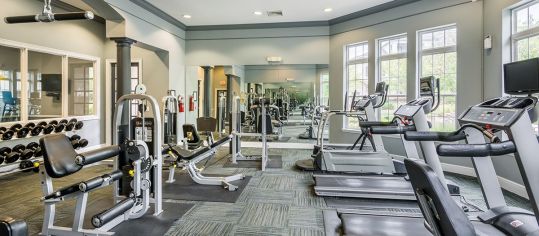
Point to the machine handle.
(367, 124)
(392, 129)
(434, 136)
(476, 150)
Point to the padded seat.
(12, 227)
(187, 155)
(58, 155)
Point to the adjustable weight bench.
(189, 159)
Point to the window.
(135, 80)
(50, 88)
(45, 83)
(81, 87)
(357, 76)
(392, 69)
(525, 34)
(10, 102)
(324, 88)
(525, 31)
(438, 57)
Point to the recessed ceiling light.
(328, 9)
(187, 16)
(258, 13)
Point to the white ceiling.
(221, 12)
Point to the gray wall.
(308, 45)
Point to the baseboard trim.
(506, 184)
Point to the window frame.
(525, 34)
(25, 48)
(389, 57)
(346, 83)
(433, 51)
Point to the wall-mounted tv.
(51, 82)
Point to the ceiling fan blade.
(86, 15)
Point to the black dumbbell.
(35, 130)
(19, 130)
(35, 148)
(6, 134)
(47, 127)
(78, 142)
(24, 154)
(79, 125)
(29, 165)
(71, 124)
(55, 126)
(7, 156)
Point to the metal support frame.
(237, 133)
(157, 162)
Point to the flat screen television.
(521, 77)
(51, 82)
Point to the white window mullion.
(24, 85)
(65, 85)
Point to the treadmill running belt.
(354, 224)
(364, 186)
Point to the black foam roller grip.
(476, 150)
(97, 155)
(98, 181)
(435, 136)
(392, 129)
(110, 214)
(21, 19)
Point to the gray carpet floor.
(275, 202)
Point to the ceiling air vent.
(275, 13)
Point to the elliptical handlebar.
(384, 97)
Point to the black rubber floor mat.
(184, 188)
(275, 161)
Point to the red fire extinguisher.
(191, 103)
(181, 106)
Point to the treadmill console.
(362, 103)
(500, 112)
(412, 107)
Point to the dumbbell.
(47, 128)
(29, 165)
(6, 134)
(71, 124)
(35, 130)
(24, 154)
(79, 125)
(78, 142)
(33, 146)
(6, 155)
(55, 126)
(19, 130)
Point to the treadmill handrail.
(392, 129)
(435, 136)
(476, 150)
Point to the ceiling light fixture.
(258, 13)
(187, 16)
(328, 10)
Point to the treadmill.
(512, 115)
(347, 157)
(412, 116)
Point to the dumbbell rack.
(28, 141)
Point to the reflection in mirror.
(81, 87)
(45, 86)
(10, 84)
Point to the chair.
(10, 103)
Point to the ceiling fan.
(47, 16)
